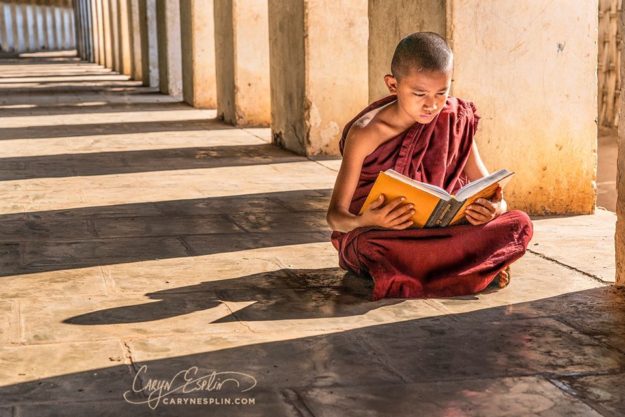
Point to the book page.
(482, 183)
(432, 189)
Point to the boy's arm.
(476, 169)
(354, 153)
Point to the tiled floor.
(140, 238)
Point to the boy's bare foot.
(503, 278)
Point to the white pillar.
(124, 38)
(59, 28)
(99, 27)
(18, 40)
(318, 79)
(198, 53)
(115, 41)
(242, 68)
(4, 47)
(108, 34)
(31, 33)
(153, 60)
(139, 40)
(169, 47)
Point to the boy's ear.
(391, 83)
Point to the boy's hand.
(482, 210)
(393, 215)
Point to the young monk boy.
(422, 132)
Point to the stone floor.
(145, 245)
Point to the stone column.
(88, 29)
(169, 47)
(71, 26)
(59, 27)
(508, 67)
(18, 41)
(198, 53)
(4, 47)
(152, 39)
(620, 176)
(116, 41)
(30, 26)
(80, 42)
(124, 37)
(99, 30)
(39, 22)
(242, 66)
(137, 26)
(108, 31)
(318, 76)
(47, 27)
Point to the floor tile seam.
(572, 268)
(580, 330)
(293, 397)
(379, 355)
(571, 392)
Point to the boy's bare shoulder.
(366, 134)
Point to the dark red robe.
(443, 262)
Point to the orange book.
(434, 207)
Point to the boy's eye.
(423, 95)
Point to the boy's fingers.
(485, 208)
(404, 225)
(403, 217)
(472, 220)
(484, 203)
(400, 209)
(478, 216)
(378, 201)
(393, 203)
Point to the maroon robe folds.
(441, 262)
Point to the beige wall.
(319, 79)
(532, 73)
(390, 21)
(530, 69)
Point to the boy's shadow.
(277, 295)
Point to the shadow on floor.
(285, 294)
(79, 107)
(95, 129)
(123, 162)
(561, 356)
(91, 236)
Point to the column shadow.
(124, 162)
(553, 354)
(91, 236)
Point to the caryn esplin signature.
(187, 381)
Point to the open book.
(434, 207)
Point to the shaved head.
(423, 52)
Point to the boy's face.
(421, 95)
